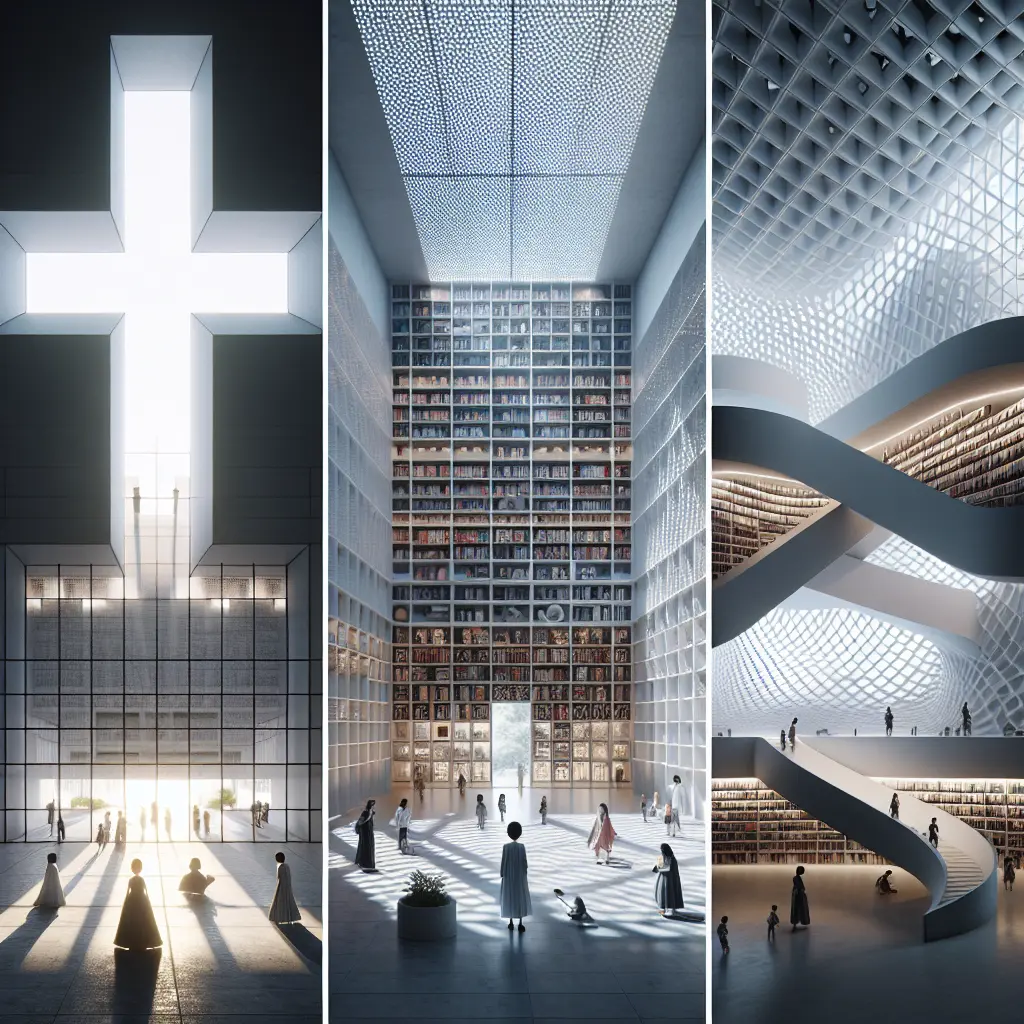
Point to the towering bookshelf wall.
(512, 527)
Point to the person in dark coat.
(888, 721)
(894, 806)
(668, 890)
(799, 910)
(365, 852)
(60, 828)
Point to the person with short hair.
(51, 894)
(137, 928)
(481, 811)
(888, 721)
(515, 889)
(883, 885)
(283, 908)
(403, 816)
(502, 806)
(723, 934)
(933, 833)
(773, 920)
(195, 883)
(894, 806)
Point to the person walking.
(515, 888)
(933, 833)
(51, 893)
(723, 934)
(196, 818)
(401, 820)
(799, 909)
(501, 806)
(883, 885)
(154, 819)
(792, 734)
(965, 714)
(655, 804)
(1009, 873)
(481, 811)
(602, 835)
(894, 806)
(99, 837)
(544, 810)
(366, 855)
(106, 828)
(136, 929)
(61, 834)
(668, 890)
(678, 797)
(142, 825)
(283, 908)
(888, 721)
(462, 784)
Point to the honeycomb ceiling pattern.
(513, 122)
(866, 168)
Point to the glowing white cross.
(157, 282)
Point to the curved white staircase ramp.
(961, 877)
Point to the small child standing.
(643, 805)
(543, 810)
(773, 920)
(481, 810)
(668, 819)
(723, 934)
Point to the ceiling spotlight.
(847, 37)
(772, 87)
(831, 59)
(831, 130)
(862, 86)
(933, 58)
(883, 62)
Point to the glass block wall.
(179, 714)
(511, 497)
(359, 546)
(669, 523)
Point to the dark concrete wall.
(55, 440)
(55, 99)
(267, 439)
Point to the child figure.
(643, 806)
(723, 934)
(501, 806)
(668, 819)
(543, 810)
(99, 837)
(481, 811)
(773, 920)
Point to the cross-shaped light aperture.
(157, 282)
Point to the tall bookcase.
(512, 536)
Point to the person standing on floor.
(602, 835)
(283, 908)
(167, 822)
(668, 890)
(481, 811)
(137, 928)
(501, 806)
(643, 805)
(655, 804)
(1009, 873)
(933, 833)
(773, 920)
(266, 812)
(792, 734)
(61, 834)
(401, 821)
(99, 837)
(51, 809)
(894, 806)
(142, 825)
(520, 775)
(515, 889)
(965, 714)
(120, 831)
(106, 828)
(888, 721)
(154, 820)
(366, 854)
(51, 894)
(543, 810)
(782, 740)
(668, 818)
(195, 819)
(723, 934)
(678, 797)
(206, 824)
(799, 909)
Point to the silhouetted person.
(668, 890)
(51, 894)
(933, 833)
(142, 825)
(154, 818)
(106, 827)
(51, 809)
(195, 819)
(167, 823)
(792, 734)
(283, 908)
(965, 714)
(195, 883)
(137, 928)
(894, 806)
(501, 806)
(515, 888)
(773, 921)
(206, 824)
(782, 740)
(643, 806)
(266, 813)
(520, 775)
(723, 934)
(120, 831)
(677, 797)
(883, 885)
(403, 816)
(99, 837)
(462, 784)
(799, 910)
(480, 811)
(366, 857)
(1009, 873)
(544, 810)
(888, 721)
(60, 828)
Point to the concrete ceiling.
(670, 132)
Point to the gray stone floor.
(220, 959)
(633, 966)
(862, 958)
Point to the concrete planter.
(426, 924)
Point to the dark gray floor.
(220, 959)
(633, 967)
(863, 958)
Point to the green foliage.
(226, 799)
(425, 891)
(95, 804)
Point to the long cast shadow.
(16, 947)
(205, 912)
(135, 980)
(304, 942)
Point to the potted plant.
(426, 912)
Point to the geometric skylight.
(513, 124)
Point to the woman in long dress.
(515, 889)
(799, 911)
(602, 835)
(51, 894)
(137, 928)
(283, 908)
(668, 890)
(366, 856)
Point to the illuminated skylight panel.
(463, 224)
(559, 226)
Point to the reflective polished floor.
(221, 958)
(631, 966)
(863, 957)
